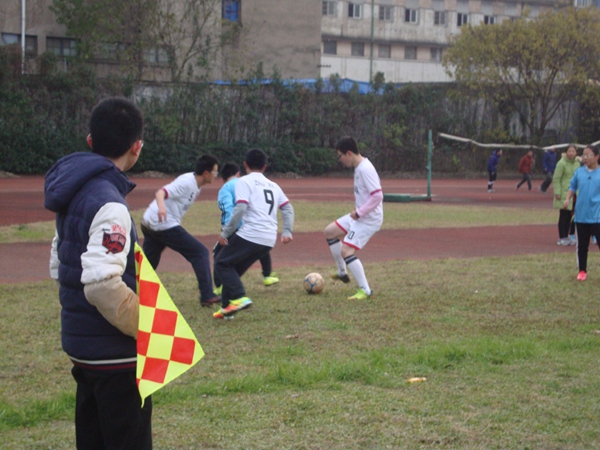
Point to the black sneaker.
(211, 301)
(336, 276)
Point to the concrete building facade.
(282, 35)
(405, 39)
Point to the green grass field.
(509, 348)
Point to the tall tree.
(184, 36)
(534, 66)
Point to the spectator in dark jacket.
(92, 258)
(492, 168)
(525, 166)
(549, 164)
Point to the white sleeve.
(109, 244)
(54, 261)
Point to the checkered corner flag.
(166, 345)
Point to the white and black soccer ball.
(313, 283)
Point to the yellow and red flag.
(166, 345)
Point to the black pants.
(492, 178)
(526, 177)
(265, 263)
(188, 246)
(564, 223)
(584, 232)
(232, 262)
(546, 183)
(109, 413)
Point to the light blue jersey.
(226, 200)
(587, 186)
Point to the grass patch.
(508, 346)
(203, 218)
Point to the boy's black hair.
(347, 144)
(228, 170)
(115, 125)
(594, 149)
(205, 163)
(256, 159)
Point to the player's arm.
(556, 184)
(54, 261)
(103, 266)
(373, 202)
(160, 197)
(287, 214)
(238, 213)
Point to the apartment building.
(285, 35)
(405, 39)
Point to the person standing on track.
(563, 174)
(357, 227)
(492, 168)
(525, 166)
(586, 183)
(549, 165)
(257, 202)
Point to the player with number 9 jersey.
(264, 198)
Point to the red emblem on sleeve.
(115, 240)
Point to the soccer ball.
(314, 283)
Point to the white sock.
(336, 250)
(358, 272)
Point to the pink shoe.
(582, 276)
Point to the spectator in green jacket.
(563, 173)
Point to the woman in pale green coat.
(563, 173)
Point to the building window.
(489, 20)
(436, 54)
(354, 10)
(386, 13)
(61, 46)
(156, 55)
(410, 52)
(439, 18)
(411, 15)
(231, 10)
(15, 39)
(111, 50)
(462, 19)
(330, 47)
(329, 9)
(385, 51)
(358, 49)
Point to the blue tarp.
(345, 84)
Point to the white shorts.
(357, 232)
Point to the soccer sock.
(336, 250)
(358, 272)
(490, 184)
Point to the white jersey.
(180, 194)
(367, 183)
(263, 198)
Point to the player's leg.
(528, 176)
(269, 277)
(153, 247)
(333, 233)
(583, 241)
(231, 263)
(125, 423)
(357, 237)
(88, 434)
(197, 255)
(218, 285)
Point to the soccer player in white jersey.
(162, 228)
(257, 202)
(357, 227)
